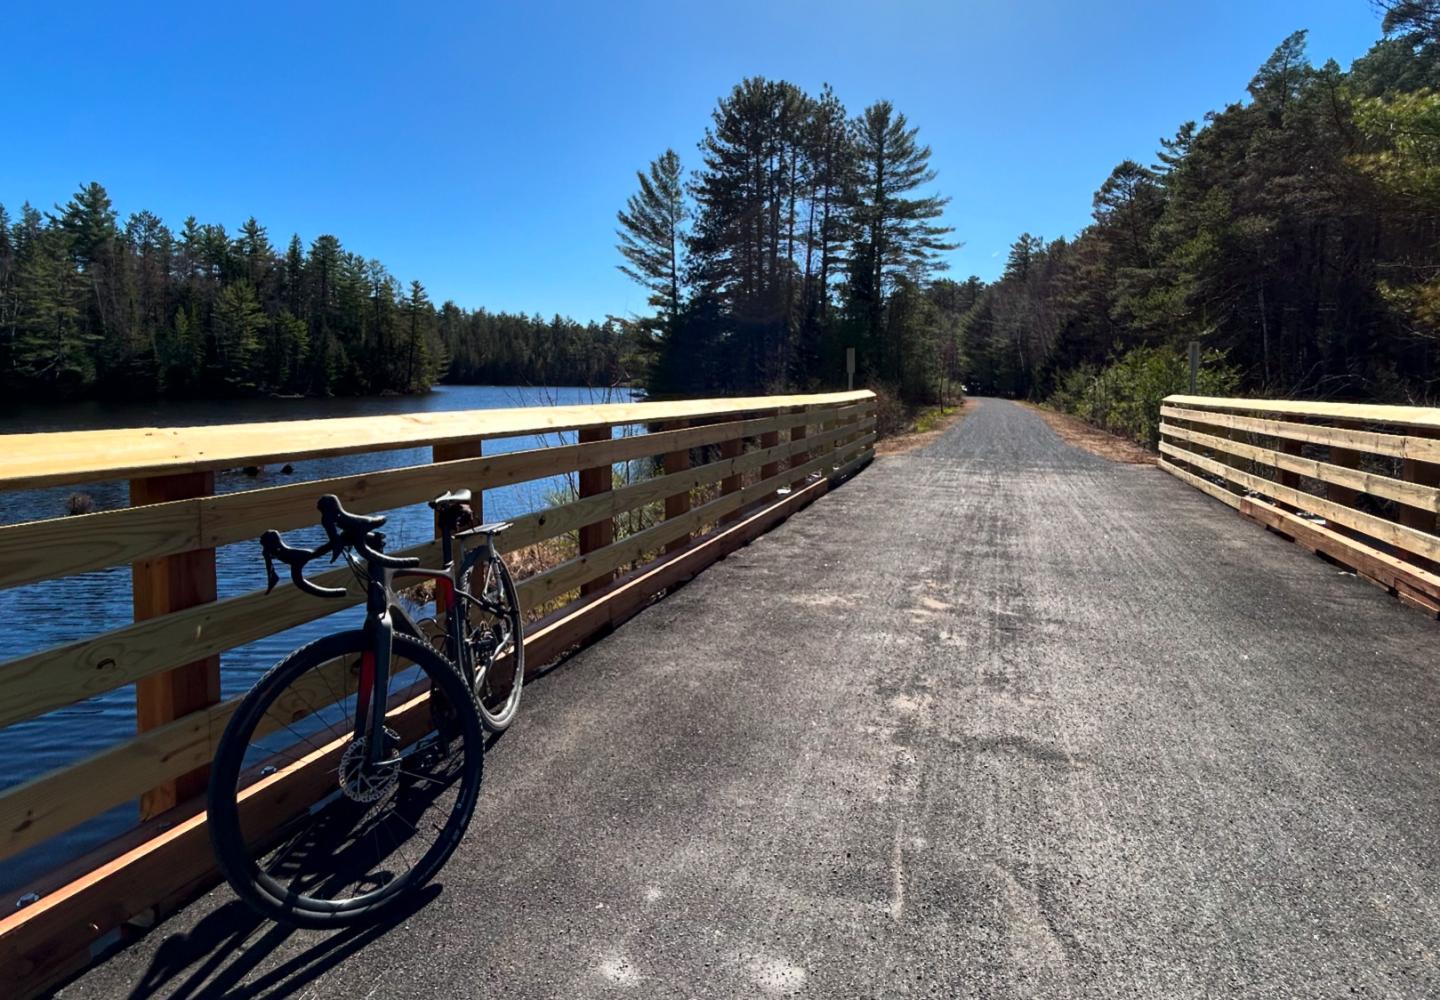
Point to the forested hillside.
(801, 231)
(91, 307)
(1295, 235)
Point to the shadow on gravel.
(214, 958)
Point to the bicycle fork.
(373, 693)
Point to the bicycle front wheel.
(308, 827)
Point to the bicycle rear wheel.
(309, 832)
(497, 642)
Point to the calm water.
(55, 612)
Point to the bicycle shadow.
(215, 957)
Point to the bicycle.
(367, 745)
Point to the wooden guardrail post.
(1348, 459)
(449, 453)
(1288, 477)
(1425, 474)
(797, 433)
(678, 504)
(593, 481)
(1345, 495)
(770, 439)
(733, 448)
(158, 587)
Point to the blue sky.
(484, 148)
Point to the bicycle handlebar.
(345, 530)
(274, 548)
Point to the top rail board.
(1399, 416)
(69, 457)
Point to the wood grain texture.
(56, 801)
(1399, 416)
(1408, 539)
(66, 457)
(64, 546)
(46, 940)
(797, 433)
(159, 587)
(48, 679)
(596, 481)
(676, 504)
(1376, 442)
(730, 450)
(1344, 474)
(1380, 567)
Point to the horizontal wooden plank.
(1402, 537)
(48, 679)
(1413, 494)
(66, 457)
(1375, 442)
(1381, 567)
(554, 521)
(1204, 485)
(1401, 416)
(63, 546)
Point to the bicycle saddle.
(450, 497)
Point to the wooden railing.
(1359, 484)
(775, 454)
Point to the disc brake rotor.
(362, 781)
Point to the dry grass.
(1078, 434)
(927, 426)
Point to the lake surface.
(54, 612)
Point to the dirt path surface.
(998, 718)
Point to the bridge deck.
(997, 717)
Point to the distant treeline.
(89, 307)
(804, 231)
(1295, 235)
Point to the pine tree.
(742, 245)
(651, 233)
(253, 246)
(238, 322)
(52, 347)
(89, 221)
(418, 314)
(896, 235)
(829, 178)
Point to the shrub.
(1124, 397)
(891, 415)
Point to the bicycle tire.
(236, 854)
(499, 702)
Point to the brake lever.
(269, 543)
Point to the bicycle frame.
(384, 615)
